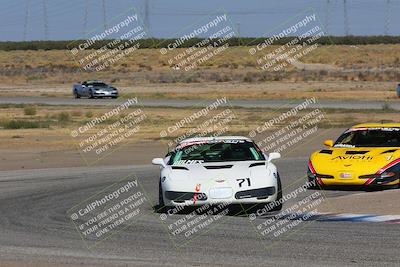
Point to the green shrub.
(30, 110)
(21, 124)
(89, 114)
(63, 117)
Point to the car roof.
(200, 139)
(377, 125)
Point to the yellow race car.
(364, 155)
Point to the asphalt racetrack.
(34, 228)
(354, 105)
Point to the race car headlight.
(392, 167)
(387, 175)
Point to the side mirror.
(159, 161)
(328, 143)
(274, 155)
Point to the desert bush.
(23, 124)
(30, 110)
(89, 114)
(63, 117)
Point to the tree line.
(162, 43)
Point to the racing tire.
(314, 185)
(91, 94)
(160, 196)
(279, 206)
(276, 208)
(161, 208)
(76, 95)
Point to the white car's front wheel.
(160, 195)
(278, 201)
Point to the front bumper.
(253, 196)
(105, 94)
(358, 180)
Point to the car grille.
(369, 176)
(258, 193)
(214, 167)
(324, 176)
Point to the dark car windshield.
(98, 84)
(370, 137)
(216, 151)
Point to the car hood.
(362, 160)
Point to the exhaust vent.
(215, 167)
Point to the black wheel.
(91, 94)
(313, 184)
(278, 201)
(76, 94)
(160, 196)
(161, 208)
(114, 97)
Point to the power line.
(85, 17)
(104, 14)
(346, 19)
(45, 21)
(387, 17)
(27, 11)
(327, 16)
(146, 15)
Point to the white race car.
(215, 170)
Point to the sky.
(73, 19)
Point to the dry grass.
(57, 135)
(362, 63)
(368, 72)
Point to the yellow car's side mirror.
(328, 143)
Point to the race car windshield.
(98, 84)
(375, 137)
(216, 152)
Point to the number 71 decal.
(241, 181)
